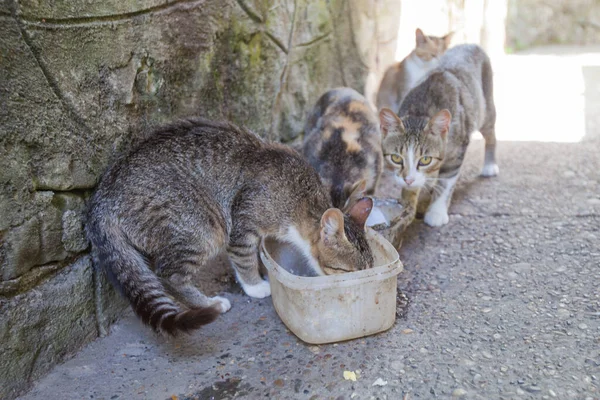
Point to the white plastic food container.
(333, 308)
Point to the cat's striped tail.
(129, 272)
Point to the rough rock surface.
(39, 326)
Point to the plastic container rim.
(330, 281)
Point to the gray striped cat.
(426, 146)
(196, 187)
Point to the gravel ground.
(504, 304)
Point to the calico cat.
(427, 145)
(403, 76)
(196, 187)
(342, 142)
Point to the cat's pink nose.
(409, 181)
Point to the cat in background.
(196, 187)
(342, 142)
(426, 146)
(403, 76)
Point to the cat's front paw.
(490, 170)
(259, 291)
(436, 217)
(222, 303)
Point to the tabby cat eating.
(196, 187)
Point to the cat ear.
(420, 37)
(353, 193)
(332, 226)
(360, 211)
(440, 123)
(447, 39)
(358, 189)
(389, 121)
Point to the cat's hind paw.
(490, 170)
(222, 303)
(436, 217)
(259, 291)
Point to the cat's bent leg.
(176, 264)
(399, 224)
(184, 291)
(243, 253)
(437, 212)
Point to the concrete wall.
(80, 80)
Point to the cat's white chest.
(416, 69)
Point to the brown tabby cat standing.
(403, 76)
(342, 142)
(196, 187)
(427, 145)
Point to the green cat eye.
(425, 160)
(396, 158)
